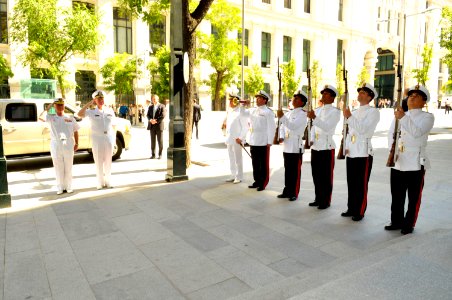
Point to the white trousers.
(102, 154)
(236, 161)
(63, 159)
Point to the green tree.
(53, 34)
(5, 70)
(316, 79)
(119, 73)
(150, 11)
(363, 77)
(446, 36)
(254, 81)
(421, 74)
(340, 84)
(290, 82)
(159, 70)
(223, 53)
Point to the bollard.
(5, 197)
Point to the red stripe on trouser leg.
(267, 166)
(418, 204)
(297, 186)
(333, 155)
(366, 180)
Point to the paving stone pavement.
(207, 239)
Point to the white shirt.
(102, 122)
(62, 128)
(261, 126)
(361, 128)
(236, 126)
(324, 125)
(293, 124)
(414, 129)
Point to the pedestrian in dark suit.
(196, 116)
(156, 113)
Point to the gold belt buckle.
(353, 139)
(251, 129)
(401, 147)
(287, 135)
(316, 136)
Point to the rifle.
(341, 153)
(276, 137)
(307, 140)
(394, 147)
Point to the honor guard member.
(359, 152)
(236, 127)
(103, 137)
(324, 122)
(262, 130)
(293, 124)
(63, 143)
(411, 161)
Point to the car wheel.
(117, 149)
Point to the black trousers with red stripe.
(358, 174)
(260, 157)
(401, 182)
(292, 173)
(322, 165)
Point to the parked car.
(24, 134)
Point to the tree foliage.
(316, 78)
(446, 36)
(363, 77)
(159, 70)
(223, 53)
(421, 74)
(5, 69)
(340, 84)
(119, 73)
(192, 15)
(290, 83)
(254, 81)
(53, 34)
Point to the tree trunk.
(218, 83)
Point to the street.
(207, 239)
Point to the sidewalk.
(207, 239)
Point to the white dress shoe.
(237, 181)
(60, 192)
(69, 191)
(230, 180)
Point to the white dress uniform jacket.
(236, 126)
(361, 127)
(62, 148)
(262, 126)
(324, 126)
(414, 129)
(293, 125)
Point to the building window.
(378, 18)
(389, 21)
(157, 34)
(3, 22)
(287, 48)
(122, 24)
(398, 24)
(246, 45)
(340, 48)
(306, 54)
(341, 10)
(287, 4)
(86, 85)
(307, 6)
(267, 1)
(265, 51)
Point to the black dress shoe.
(346, 214)
(292, 198)
(407, 230)
(392, 227)
(357, 218)
(315, 203)
(260, 189)
(282, 196)
(323, 206)
(160, 157)
(152, 157)
(253, 186)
